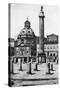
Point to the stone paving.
(36, 74)
(21, 78)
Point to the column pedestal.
(20, 65)
(52, 67)
(49, 71)
(36, 65)
(29, 66)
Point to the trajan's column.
(41, 32)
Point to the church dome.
(27, 30)
(27, 24)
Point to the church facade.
(25, 45)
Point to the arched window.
(48, 47)
(23, 31)
(54, 47)
(54, 54)
(47, 53)
(51, 54)
(22, 40)
(29, 32)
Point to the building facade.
(50, 46)
(25, 45)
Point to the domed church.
(25, 45)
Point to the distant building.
(50, 45)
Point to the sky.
(20, 12)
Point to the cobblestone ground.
(38, 77)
